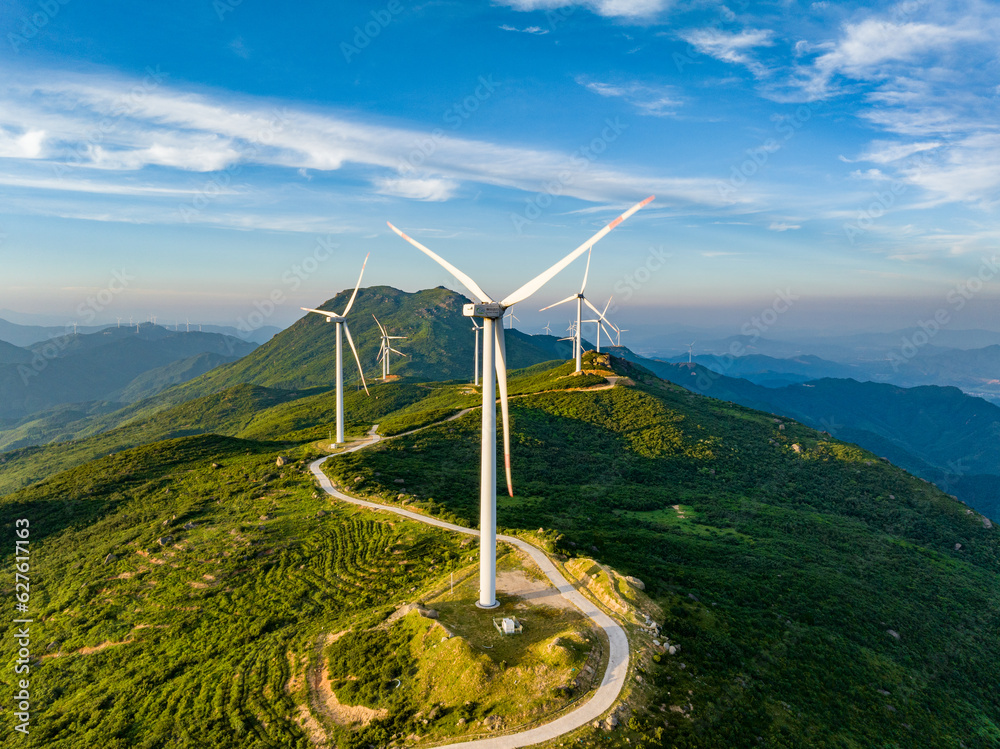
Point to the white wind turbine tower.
(512, 317)
(580, 301)
(618, 338)
(342, 326)
(691, 351)
(475, 366)
(547, 329)
(386, 347)
(490, 312)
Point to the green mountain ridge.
(820, 596)
(939, 433)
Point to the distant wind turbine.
(341, 321)
(493, 345)
(691, 351)
(600, 320)
(512, 318)
(385, 348)
(618, 338)
(119, 321)
(580, 301)
(548, 329)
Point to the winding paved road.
(614, 676)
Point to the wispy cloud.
(874, 49)
(657, 101)
(732, 48)
(625, 9)
(48, 126)
(782, 226)
(417, 189)
(526, 30)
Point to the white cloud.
(732, 48)
(169, 133)
(881, 152)
(630, 9)
(782, 226)
(875, 48)
(968, 170)
(417, 189)
(74, 184)
(526, 30)
(650, 100)
(28, 145)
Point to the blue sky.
(221, 153)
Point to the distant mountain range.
(976, 371)
(27, 334)
(115, 365)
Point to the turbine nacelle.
(493, 310)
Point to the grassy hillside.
(818, 595)
(174, 603)
(821, 596)
(938, 433)
(248, 411)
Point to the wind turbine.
(547, 329)
(600, 320)
(691, 351)
(512, 317)
(580, 301)
(475, 367)
(618, 338)
(493, 344)
(386, 347)
(119, 321)
(342, 326)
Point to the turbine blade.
(379, 325)
(361, 372)
(567, 299)
(357, 286)
(586, 273)
(398, 352)
(608, 304)
(319, 311)
(538, 281)
(463, 279)
(600, 315)
(501, 367)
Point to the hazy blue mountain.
(93, 367)
(11, 354)
(770, 371)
